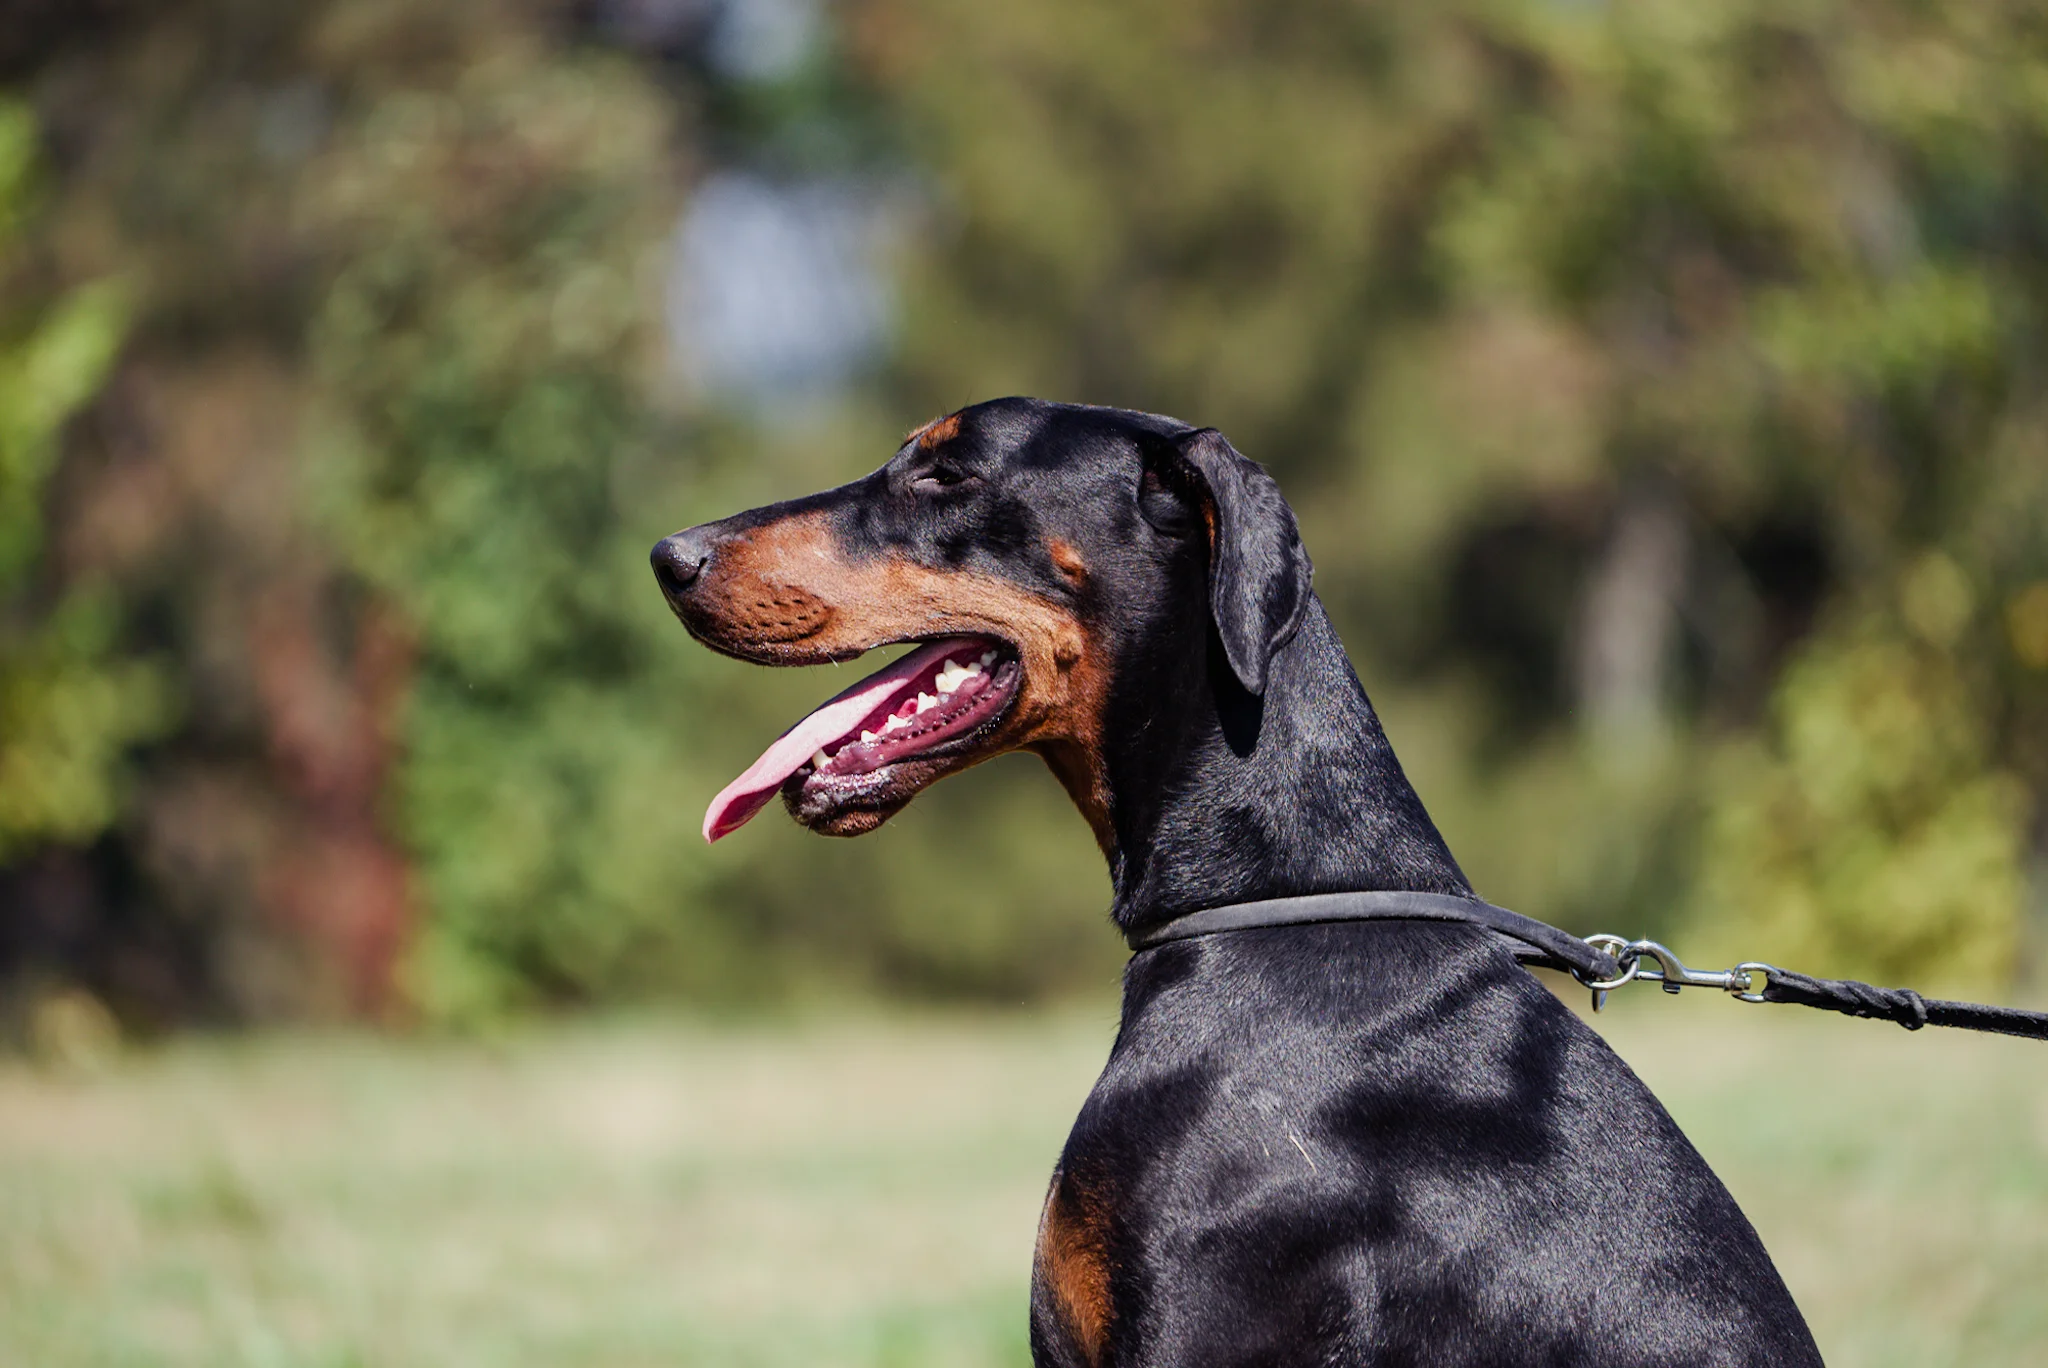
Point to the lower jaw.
(849, 805)
(855, 804)
(855, 821)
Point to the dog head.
(1053, 562)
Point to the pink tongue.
(738, 801)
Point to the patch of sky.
(777, 294)
(776, 291)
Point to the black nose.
(678, 560)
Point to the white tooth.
(953, 676)
(925, 700)
(818, 760)
(866, 737)
(895, 724)
(988, 658)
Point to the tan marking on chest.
(1073, 1264)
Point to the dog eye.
(938, 478)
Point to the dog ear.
(1258, 570)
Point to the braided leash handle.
(1901, 1005)
(1848, 997)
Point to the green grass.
(863, 1192)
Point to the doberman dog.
(1340, 1144)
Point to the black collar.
(1540, 943)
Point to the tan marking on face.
(783, 594)
(936, 431)
(763, 602)
(1066, 558)
(1072, 1264)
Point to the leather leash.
(1602, 963)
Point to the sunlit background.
(1662, 385)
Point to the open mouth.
(936, 703)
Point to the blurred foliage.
(1867, 830)
(68, 710)
(478, 353)
(1660, 389)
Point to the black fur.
(1377, 1143)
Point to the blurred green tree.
(69, 708)
(479, 354)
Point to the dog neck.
(1217, 795)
